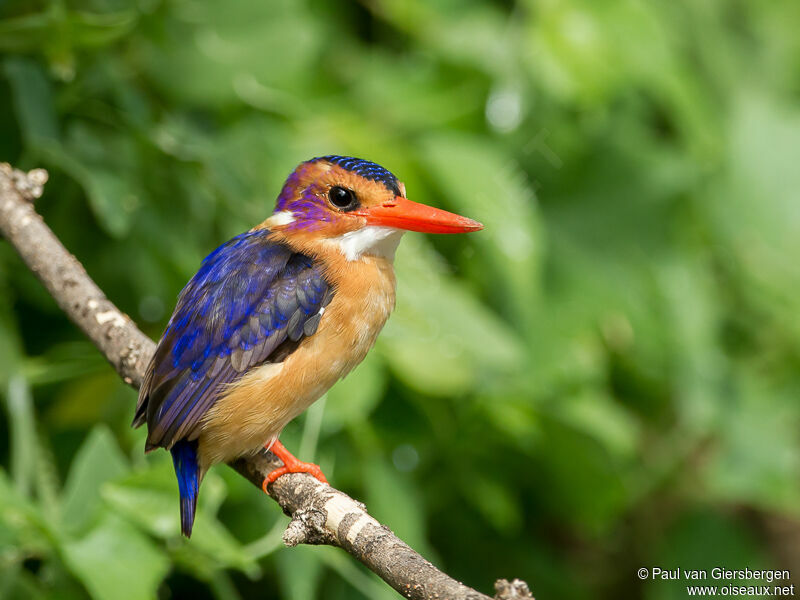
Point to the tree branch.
(319, 513)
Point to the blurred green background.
(605, 378)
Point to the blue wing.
(251, 302)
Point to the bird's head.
(356, 206)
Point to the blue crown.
(366, 169)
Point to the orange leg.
(290, 465)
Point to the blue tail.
(184, 457)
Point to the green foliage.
(605, 378)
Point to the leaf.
(106, 190)
(33, 101)
(18, 584)
(497, 503)
(150, 499)
(299, 572)
(574, 467)
(66, 362)
(100, 29)
(479, 181)
(10, 345)
(353, 399)
(704, 539)
(215, 53)
(603, 419)
(116, 562)
(753, 210)
(441, 340)
(85, 401)
(38, 31)
(366, 582)
(23, 528)
(98, 461)
(26, 32)
(106, 166)
(395, 503)
(757, 459)
(476, 37)
(24, 446)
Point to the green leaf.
(603, 419)
(39, 31)
(480, 182)
(67, 362)
(757, 459)
(106, 191)
(476, 37)
(18, 584)
(100, 29)
(33, 100)
(24, 446)
(21, 34)
(98, 461)
(299, 572)
(353, 399)
(10, 345)
(150, 499)
(87, 400)
(574, 466)
(441, 339)
(497, 503)
(396, 504)
(106, 166)
(753, 210)
(117, 562)
(366, 582)
(706, 539)
(23, 528)
(216, 53)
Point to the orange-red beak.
(402, 213)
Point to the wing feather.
(250, 298)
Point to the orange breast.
(253, 411)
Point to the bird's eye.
(342, 198)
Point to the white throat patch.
(370, 240)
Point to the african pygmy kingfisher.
(276, 316)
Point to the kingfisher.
(275, 316)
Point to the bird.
(276, 316)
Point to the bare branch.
(320, 514)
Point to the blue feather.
(184, 457)
(249, 295)
(366, 169)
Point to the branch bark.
(319, 513)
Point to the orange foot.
(290, 465)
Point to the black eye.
(343, 198)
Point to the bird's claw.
(290, 465)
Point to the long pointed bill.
(402, 213)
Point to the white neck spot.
(283, 217)
(370, 240)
